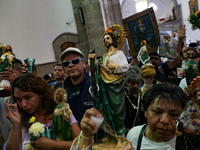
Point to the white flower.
(36, 129)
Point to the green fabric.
(57, 127)
(144, 57)
(168, 48)
(112, 102)
(190, 72)
(5, 64)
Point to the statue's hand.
(111, 65)
(90, 56)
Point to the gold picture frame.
(136, 32)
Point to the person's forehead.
(58, 67)
(71, 56)
(165, 104)
(154, 56)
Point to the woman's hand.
(12, 113)
(42, 143)
(87, 125)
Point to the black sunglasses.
(73, 61)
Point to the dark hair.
(32, 83)
(8, 49)
(193, 45)
(46, 77)
(155, 54)
(140, 19)
(114, 39)
(167, 91)
(59, 65)
(19, 62)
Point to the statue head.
(113, 40)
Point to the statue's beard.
(108, 45)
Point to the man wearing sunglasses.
(77, 83)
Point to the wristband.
(87, 138)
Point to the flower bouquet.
(36, 130)
(194, 19)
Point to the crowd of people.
(146, 103)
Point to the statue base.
(5, 88)
(110, 143)
(4, 92)
(112, 146)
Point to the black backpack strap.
(140, 136)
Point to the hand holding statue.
(87, 125)
(9, 75)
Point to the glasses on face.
(73, 61)
(152, 58)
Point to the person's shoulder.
(134, 132)
(86, 76)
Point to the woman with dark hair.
(33, 97)
(163, 104)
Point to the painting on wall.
(193, 6)
(142, 27)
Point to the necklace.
(134, 107)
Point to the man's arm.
(181, 36)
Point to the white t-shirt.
(146, 144)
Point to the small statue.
(168, 43)
(143, 54)
(147, 72)
(6, 62)
(61, 117)
(111, 93)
